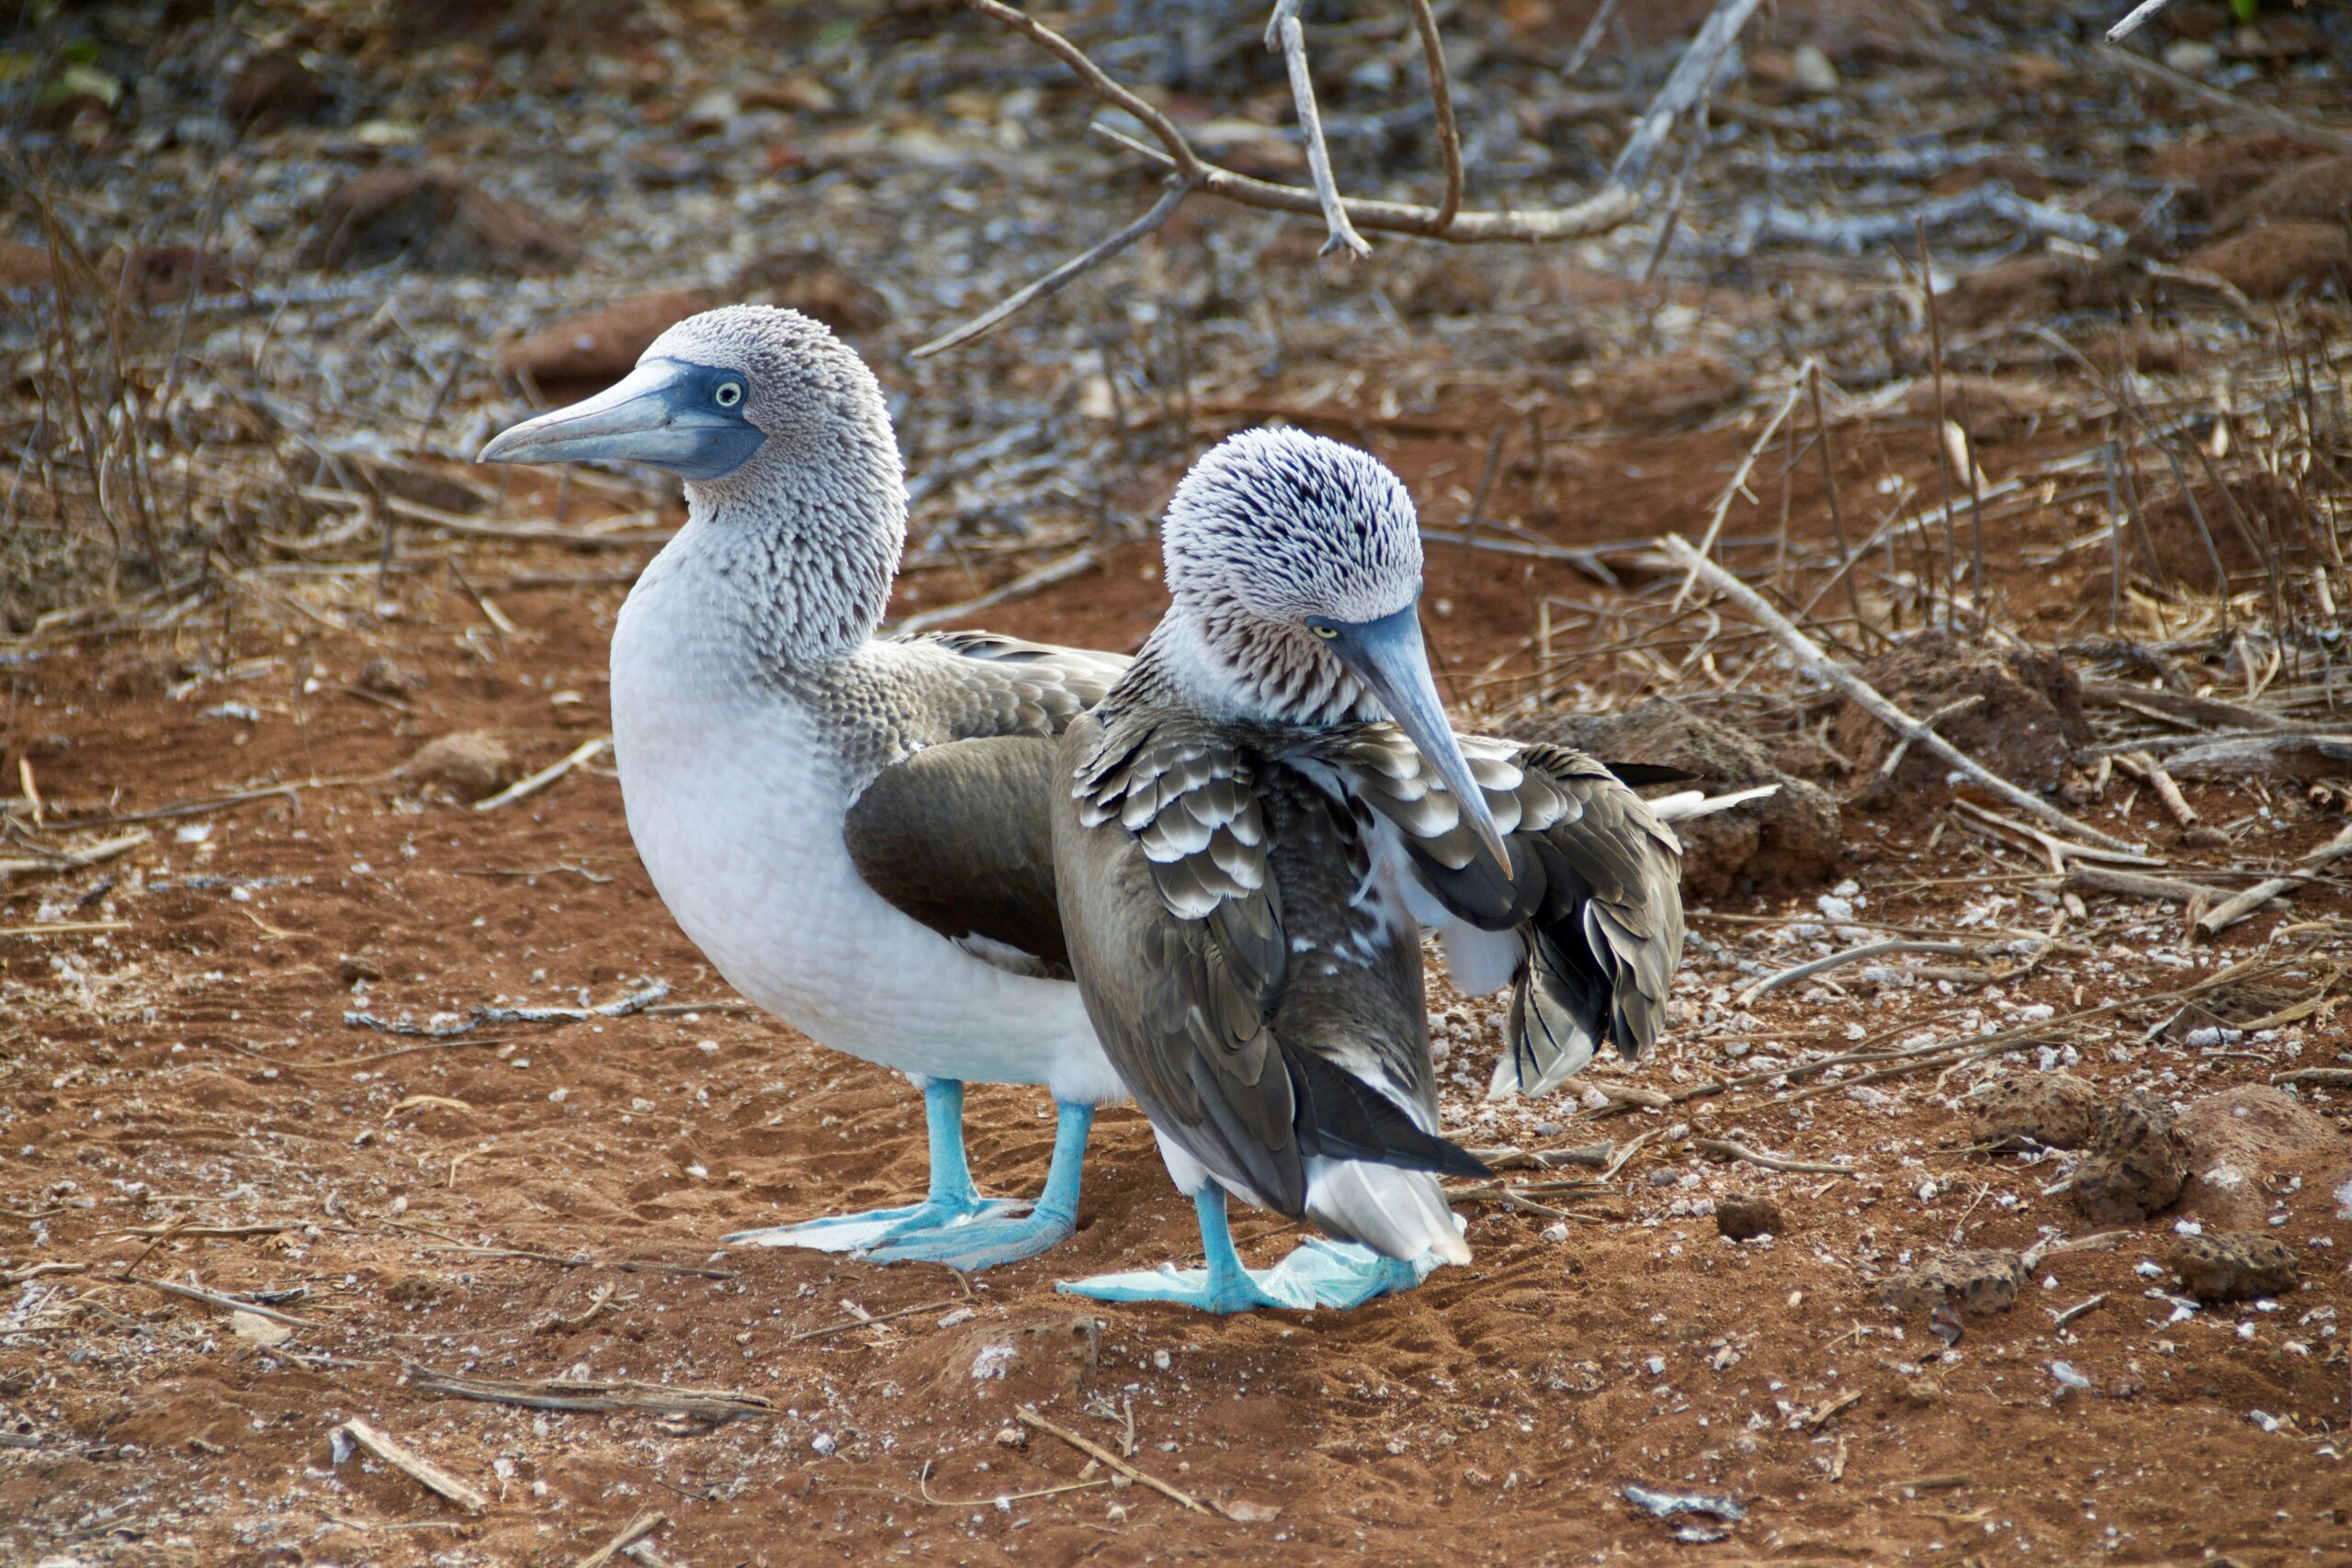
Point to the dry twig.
(712, 1404)
(637, 1530)
(1027, 1415)
(413, 1465)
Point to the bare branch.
(1097, 80)
(1449, 134)
(1286, 33)
(1604, 211)
(2139, 14)
(2190, 87)
(1693, 74)
(1158, 213)
(1601, 16)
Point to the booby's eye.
(1325, 633)
(726, 394)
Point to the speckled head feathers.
(802, 379)
(1283, 524)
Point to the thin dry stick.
(522, 788)
(712, 1404)
(637, 1530)
(1789, 977)
(1902, 746)
(1027, 1415)
(1943, 455)
(1810, 653)
(1078, 561)
(849, 1322)
(415, 1466)
(2222, 915)
(2137, 18)
(1157, 214)
(214, 1298)
(1449, 134)
(1725, 1149)
(1739, 483)
(1478, 501)
(2151, 772)
(1590, 40)
(1286, 34)
(2190, 87)
(1837, 509)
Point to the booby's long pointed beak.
(1388, 655)
(665, 412)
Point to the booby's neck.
(1237, 668)
(799, 546)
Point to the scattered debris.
(1740, 1216)
(408, 1462)
(2137, 1165)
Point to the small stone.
(1809, 68)
(2191, 57)
(1741, 1215)
(1979, 1283)
(2139, 1163)
(2056, 1109)
(472, 762)
(255, 1329)
(386, 679)
(365, 965)
(1920, 1393)
(274, 87)
(712, 114)
(2235, 1266)
(1011, 1438)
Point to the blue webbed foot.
(1337, 1275)
(878, 1227)
(986, 1240)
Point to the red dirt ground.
(188, 1065)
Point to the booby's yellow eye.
(1325, 633)
(728, 394)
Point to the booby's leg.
(1320, 1273)
(953, 1197)
(981, 1243)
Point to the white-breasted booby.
(1254, 827)
(855, 832)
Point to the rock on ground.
(2234, 1265)
(2056, 1109)
(597, 347)
(1741, 1215)
(2026, 728)
(439, 220)
(2247, 1136)
(1979, 1283)
(2137, 1165)
(1787, 840)
(473, 763)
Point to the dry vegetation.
(367, 1128)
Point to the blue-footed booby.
(1254, 827)
(856, 831)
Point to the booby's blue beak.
(1388, 657)
(686, 418)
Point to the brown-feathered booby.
(854, 830)
(1255, 827)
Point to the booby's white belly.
(738, 816)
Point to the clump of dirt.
(1663, 391)
(1740, 1216)
(1789, 839)
(2234, 1265)
(1980, 1282)
(2243, 1141)
(2211, 172)
(2277, 258)
(2056, 1110)
(597, 347)
(2270, 521)
(2317, 191)
(2026, 725)
(814, 284)
(2040, 285)
(472, 762)
(2137, 1166)
(275, 87)
(438, 219)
